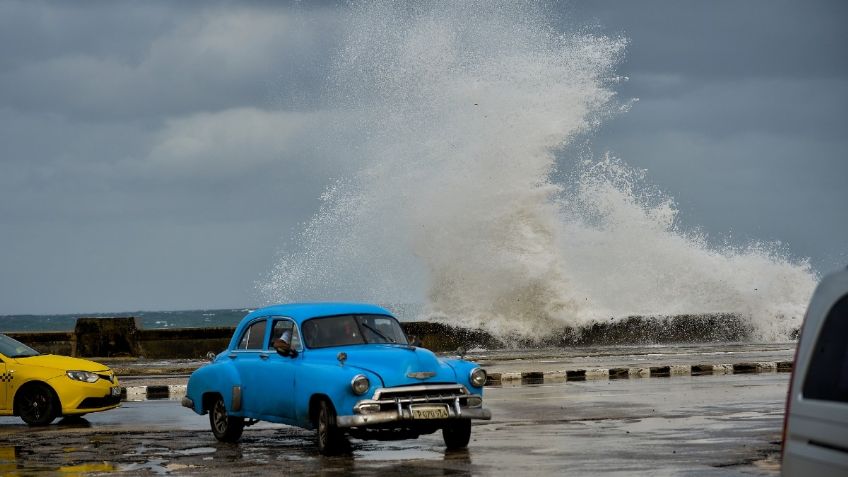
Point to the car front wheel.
(226, 428)
(329, 438)
(457, 434)
(36, 405)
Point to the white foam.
(462, 110)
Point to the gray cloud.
(157, 154)
(741, 116)
(214, 58)
(808, 107)
(726, 39)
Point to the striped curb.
(539, 377)
(176, 391)
(143, 393)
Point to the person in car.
(283, 343)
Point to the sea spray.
(628, 256)
(463, 109)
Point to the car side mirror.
(415, 341)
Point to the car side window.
(827, 375)
(285, 326)
(253, 336)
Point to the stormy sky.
(157, 155)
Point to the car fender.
(24, 375)
(463, 369)
(332, 381)
(219, 377)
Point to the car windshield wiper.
(381, 335)
(23, 355)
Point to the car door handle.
(263, 355)
(232, 356)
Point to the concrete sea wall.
(116, 337)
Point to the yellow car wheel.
(36, 404)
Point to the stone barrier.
(122, 337)
(107, 337)
(53, 342)
(116, 337)
(184, 342)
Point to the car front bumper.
(188, 402)
(82, 398)
(405, 416)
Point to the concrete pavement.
(715, 425)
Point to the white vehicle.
(815, 433)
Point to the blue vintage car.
(341, 368)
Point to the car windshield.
(352, 330)
(14, 348)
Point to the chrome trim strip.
(419, 388)
(392, 416)
(421, 375)
(398, 401)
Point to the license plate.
(439, 411)
(115, 391)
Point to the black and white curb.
(143, 393)
(540, 377)
(177, 391)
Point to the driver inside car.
(283, 343)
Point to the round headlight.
(360, 384)
(478, 377)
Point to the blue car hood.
(397, 365)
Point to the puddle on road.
(155, 465)
(197, 451)
(182, 452)
(13, 462)
(386, 454)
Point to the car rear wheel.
(457, 434)
(226, 428)
(36, 405)
(329, 438)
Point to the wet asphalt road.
(704, 425)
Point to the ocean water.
(162, 319)
(470, 199)
(147, 319)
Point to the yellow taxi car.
(39, 388)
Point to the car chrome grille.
(418, 391)
(401, 397)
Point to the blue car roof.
(304, 311)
